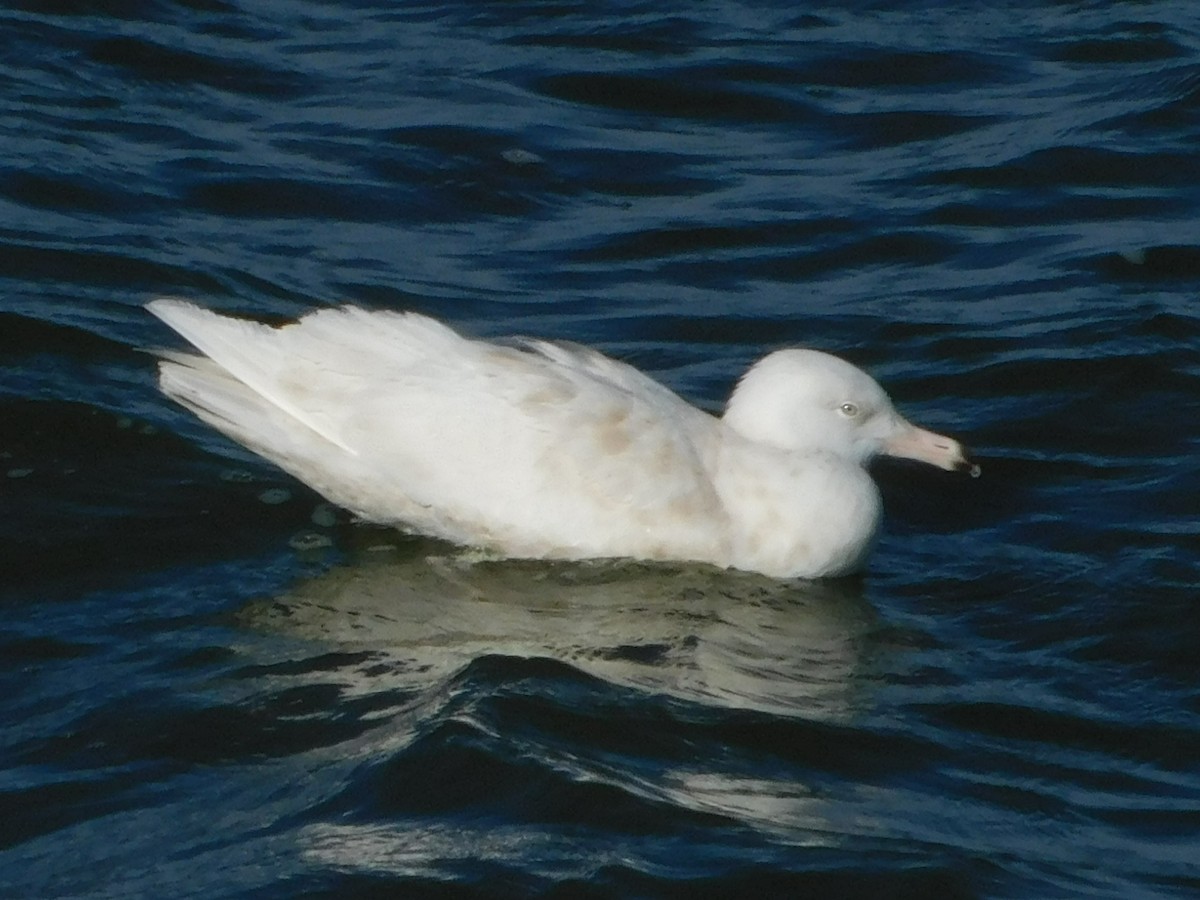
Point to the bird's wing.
(399, 418)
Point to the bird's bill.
(910, 442)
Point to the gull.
(543, 450)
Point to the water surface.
(215, 686)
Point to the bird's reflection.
(715, 637)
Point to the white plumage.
(544, 450)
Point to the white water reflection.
(722, 638)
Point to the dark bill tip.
(968, 465)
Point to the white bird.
(552, 451)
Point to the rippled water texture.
(215, 686)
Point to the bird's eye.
(849, 410)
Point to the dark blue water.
(213, 686)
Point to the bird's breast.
(798, 516)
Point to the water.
(214, 686)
